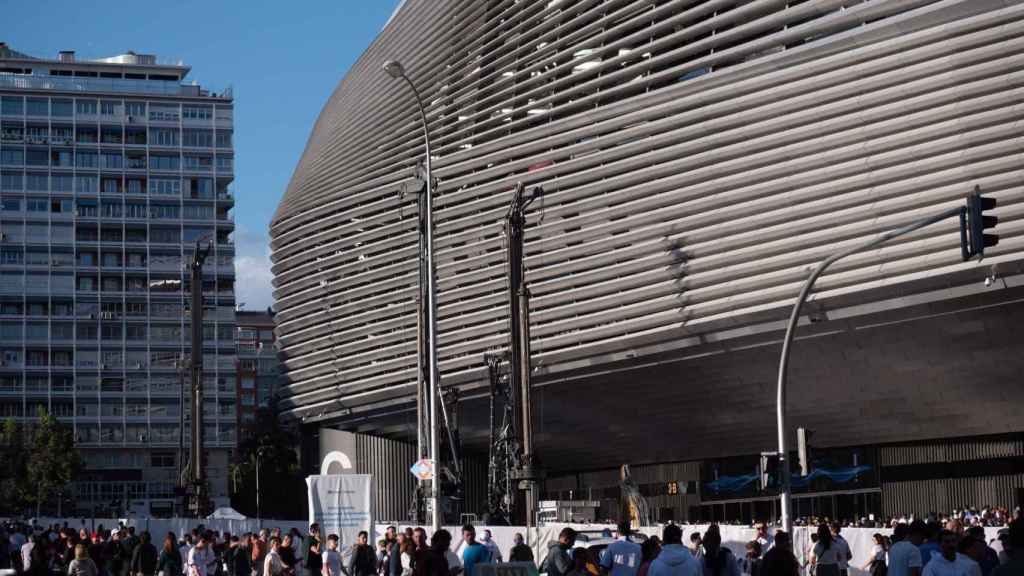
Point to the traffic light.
(803, 438)
(769, 469)
(974, 223)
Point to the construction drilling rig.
(512, 466)
(192, 482)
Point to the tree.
(282, 486)
(53, 460)
(14, 472)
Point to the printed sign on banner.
(342, 504)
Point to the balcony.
(107, 85)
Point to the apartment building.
(112, 171)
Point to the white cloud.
(252, 270)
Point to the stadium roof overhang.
(938, 364)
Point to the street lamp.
(785, 491)
(396, 70)
(259, 453)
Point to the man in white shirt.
(843, 554)
(331, 557)
(184, 550)
(26, 555)
(763, 538)
(492, 547)
(949, 562)
(904, 556)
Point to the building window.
(37, 107)
(197, 112)
(197, 138)
(61, 108)
(12, 105)
(85, 107)
(12, 157)
(134, 109)
(163, 137)
(158, 162)
(164, 113)
(162, 460)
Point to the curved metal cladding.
(697, 158)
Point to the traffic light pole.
(785, 496)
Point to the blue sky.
(282, 59)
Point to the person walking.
(674, 559)
(407, 556)
(949, 562)
(363, 561)
(750, 564)
(718, 560)
(1015, 542)
(492, 547)
(780, 560)
(82, 565)
(843, 553)
(394, 552)
(260, 548)
(904, 554)
(201, 558)
(696, 546)
(435, 561)
(330, 559)
(314, 561)
(144, 557)
(272, 564)
(558, 562)
(876, 565)
(473, 552)
(622, 557)
(520, 552)
(313, 537)
(649, 551)
(286, 552)
(825, 555)
(169, 562)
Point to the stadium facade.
(112, 170)
(697, 158)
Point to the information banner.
(342, 504)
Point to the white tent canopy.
(226, 513)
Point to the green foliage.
(14, 472)
(40, 461)
(54, 461)
(282, 487)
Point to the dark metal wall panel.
(944, 494)
(947, 451)
(389, 461)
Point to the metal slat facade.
(697, 157)
(951, 451)
(945, 494)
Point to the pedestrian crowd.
(916, 548)
(986, 516)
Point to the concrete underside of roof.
(943, 369)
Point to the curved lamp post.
(396, 70)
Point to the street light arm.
(426, 129)
(794, 318)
